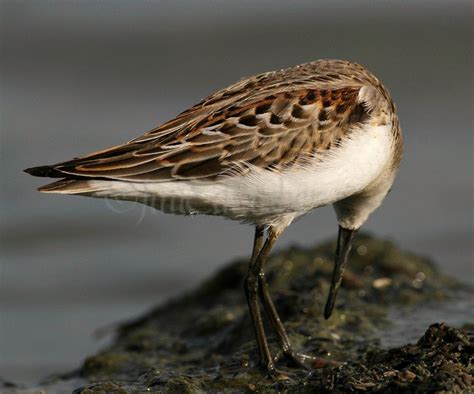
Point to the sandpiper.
(263, 151)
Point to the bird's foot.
(304, 360)
(277, 374)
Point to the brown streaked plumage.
(272, 120)
(265, 151)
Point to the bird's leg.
(303, 360)
(279, 329)
(257, 242)
(275, 320)
(252, 291)
(256, 285)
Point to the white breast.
(262, 196)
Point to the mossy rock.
(203, 341)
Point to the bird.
(263, 151)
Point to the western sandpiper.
(263, 151)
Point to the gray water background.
(80, 76)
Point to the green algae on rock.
(203, 341)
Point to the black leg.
(275, 320)
(256, 286)
(257, 242)
(252, 291)
(303, 360)
(287, 349)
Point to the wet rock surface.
(203, 341)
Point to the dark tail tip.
(44, 171)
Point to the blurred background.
(82, 75)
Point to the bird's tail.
(44, 171)
(69, 186)
(73, 185)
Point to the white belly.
(263, 196)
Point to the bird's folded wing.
(228, 134)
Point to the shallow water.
(409, 324)
(80, 77)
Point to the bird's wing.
(230, 132)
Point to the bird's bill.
(344, 244)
